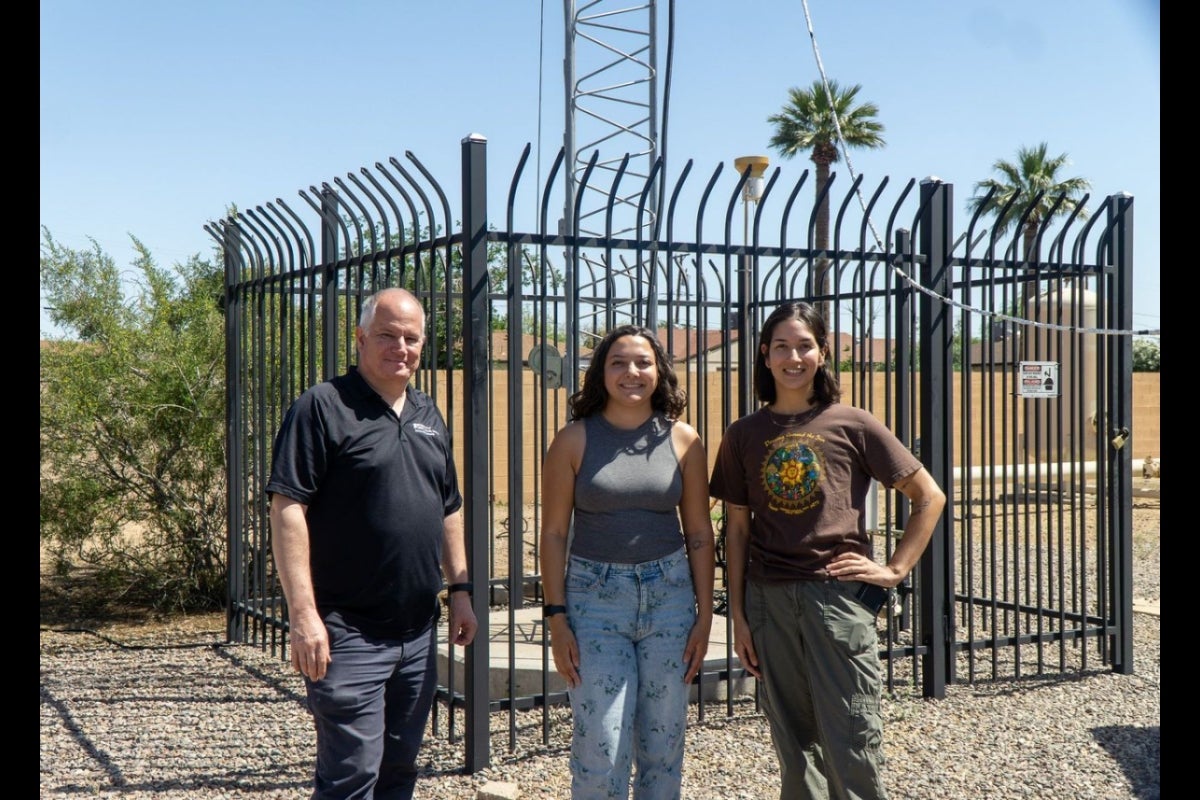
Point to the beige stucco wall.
(1144, 440)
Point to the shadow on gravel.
(184, 719)
(85, 743)
(1136, 750)
(272, 681)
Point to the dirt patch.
(78, 601)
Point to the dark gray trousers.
(370, 711)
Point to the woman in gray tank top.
(627, 568)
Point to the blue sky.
(156, 116)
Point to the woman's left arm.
(698, 539)
(926, 501)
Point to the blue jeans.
(370, 711)
(632, 623)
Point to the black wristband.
(550, 611)
(460, 587)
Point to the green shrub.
(1145, 355)
(133, 427)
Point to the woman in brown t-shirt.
(794, 476)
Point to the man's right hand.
(310, 646)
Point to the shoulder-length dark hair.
(826, 388)
(668, 398)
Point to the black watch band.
(550, 611)
(460, 587)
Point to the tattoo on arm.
(922, 506)
(696, 543)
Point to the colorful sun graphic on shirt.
(792, 472)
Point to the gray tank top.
(627, 493)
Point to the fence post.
(235, 490)
(329, 303)
(1120, 458)
(937, 440)
(476, 330)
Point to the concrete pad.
(531, 655)
(1141, 606)
(530, 658)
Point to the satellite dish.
(546, 361)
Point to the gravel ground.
(169, 711)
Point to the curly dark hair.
(668, 398)
(826, 388)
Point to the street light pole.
(752, 192)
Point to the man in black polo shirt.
(365, 517)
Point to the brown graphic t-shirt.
(805, 479)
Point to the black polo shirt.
(377, 488)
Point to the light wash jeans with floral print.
(632, 623)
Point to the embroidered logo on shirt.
(425, 429)
(792, 472)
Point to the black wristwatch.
(549, 610)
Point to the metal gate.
(948, 337)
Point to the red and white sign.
(1037, 379)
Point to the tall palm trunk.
(816, 120)
(1035, 340)
(823, 156)
(1029, 287)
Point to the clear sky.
(156, 116)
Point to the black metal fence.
(948, 337)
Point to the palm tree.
(1033, 172)
(810, 122)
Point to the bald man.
(366, 523)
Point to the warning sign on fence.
(1037, 379)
